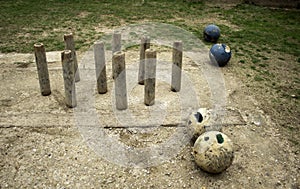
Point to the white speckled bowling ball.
(197, 122)
(213, 152)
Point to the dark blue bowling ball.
(211, 33)
(220, 54)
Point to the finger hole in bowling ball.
(199, 117)
(220, 138)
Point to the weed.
(265, 58)
(258, 78)
(255, 60)
(239, 54)
(263, 65)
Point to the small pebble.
(278, 183)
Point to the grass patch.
(47, 21)
(263, 26)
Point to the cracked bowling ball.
(220, 54)
(211, 33)
(199, 122)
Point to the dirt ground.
(44, 144)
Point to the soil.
(44, 144)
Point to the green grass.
(47, 21)
(24, 23)
(278, 29)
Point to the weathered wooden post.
(176, 66)
(120, 80)
(116, 46)
(99, 55)
(70, 45)
(145, 44)
(69, 78)
(150, 74)
(42, 68)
